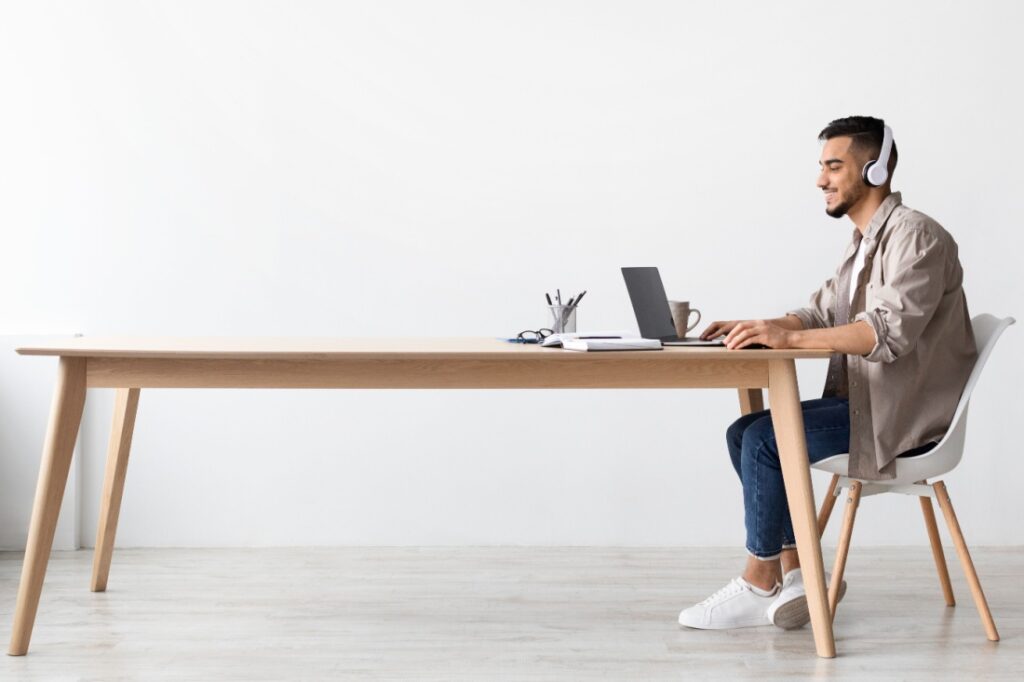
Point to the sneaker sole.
(795, 614)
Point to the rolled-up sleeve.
(822, 309)
(914, 267)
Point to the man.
(896, 319)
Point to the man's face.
(840, 176)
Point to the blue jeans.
(755, 456)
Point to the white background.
(412, 168)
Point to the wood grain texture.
(126, 404)
(61, 434)
(936, 543)
(583, 370)
(788, 423)
(131, 364)
(843, 550)
(827, 504)
(751, 400)
(298, 348)
(942, 495)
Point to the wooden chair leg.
(827, 504)
(852, 502)
(937, 553)
(126, 403)
(965, 561)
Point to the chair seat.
(908, 469)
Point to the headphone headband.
(876, 172)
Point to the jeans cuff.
(770, 557)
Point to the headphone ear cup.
(865, 173)
(874, 175)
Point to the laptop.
(650, 304)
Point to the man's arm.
(789, 322)
(788, 332)
(853, 339)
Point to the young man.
(896, 319)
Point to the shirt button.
(856, 411)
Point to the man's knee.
(759, 439)
(734, 434)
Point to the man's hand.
(716, 329)
(742, 333)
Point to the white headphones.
(876, 172)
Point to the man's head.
(849, 144)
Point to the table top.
(322, 348)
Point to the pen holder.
(563, 319)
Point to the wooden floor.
(491, 613)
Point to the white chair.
(912, 474)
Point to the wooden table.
(130, 364)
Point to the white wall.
(406, 168)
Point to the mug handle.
(695, 323)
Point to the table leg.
(788, 421)
(751, 400)
(126, 404)
(65, 418)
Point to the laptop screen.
(650, 303)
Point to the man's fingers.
(713, 330)
(740, 326)
(744, 337)
(757, 339)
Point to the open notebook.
(600, 341)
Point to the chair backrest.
(987, 330)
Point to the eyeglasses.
(533, 335)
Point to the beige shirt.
(904, 392)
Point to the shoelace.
(734, 587)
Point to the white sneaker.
(789, 610)
(734, 606)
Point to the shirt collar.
(881, 215)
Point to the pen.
(573, 306)
(558, 296)
(567, 312)
(548, 296)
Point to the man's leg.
(827, 428)
(828, 434)
(766, 573)
(746, 601)
(734, 434)
(754, 454)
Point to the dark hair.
(866, 132)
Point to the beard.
(839, 210)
